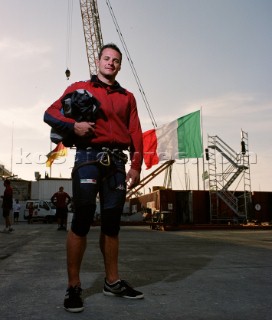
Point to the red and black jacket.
(117, 124)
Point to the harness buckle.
(116, 153)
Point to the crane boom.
(147, 179)
(92, 32)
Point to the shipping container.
(45, 188)
(177, 207)
(262, 206)
(200, 207)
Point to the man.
(7, 205)
(61, 200)
(100, 168)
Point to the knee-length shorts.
(93, 176)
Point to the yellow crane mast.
(92, 31)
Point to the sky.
(208, 55)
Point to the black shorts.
(6, 212)
(93, 178)
(61, 212)
(108, 181)
(16, 214)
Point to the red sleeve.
(54, 115)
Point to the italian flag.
(178, 139)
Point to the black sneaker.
(72, 300)
(121, 289)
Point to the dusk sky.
(213, 55)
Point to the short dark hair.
(110, 46)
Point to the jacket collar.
(115, 87)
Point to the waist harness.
(107, 155)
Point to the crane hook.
(67, 73)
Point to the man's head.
(109, 63)
(61, 189)
(110, 46)
(7, 183)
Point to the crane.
(92, 31)
(94, 42)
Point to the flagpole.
(11, 156)
(185, 175)
(197, 162)
(50, 168)
(203, 164)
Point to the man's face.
(109, 63)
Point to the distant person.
(16, 211)
(7, 205)
(30, 212)
(61, 200)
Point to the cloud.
(13, 48)
(234, 106)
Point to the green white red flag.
(178, 139)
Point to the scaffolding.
(225, 167)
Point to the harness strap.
(86, 163)
(98, 162)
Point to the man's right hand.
(84, 129)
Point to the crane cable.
(69, 37)
(132, 66)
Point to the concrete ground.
(192, 274)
